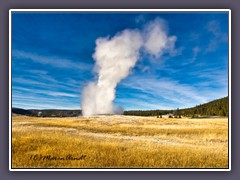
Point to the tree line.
(217, 107)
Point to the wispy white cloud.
(46, 92)
(28, 98)
(51, 60)
(167, 89)
(140, 19)
(141, 104)
(59, 94)
(212, 77)
(195, 53)
(196, 50)
(37, 71)
(27, 81)
(171, 94)
(48, 82)
(212, 46)
(218, 36)
(39, 105)
(214, 27)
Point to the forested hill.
(217, 107)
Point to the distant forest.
(47, 112)
(217, 107)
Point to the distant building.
(39, 114)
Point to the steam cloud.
(115, 57)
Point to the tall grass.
(119, 142)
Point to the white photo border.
(119, 10)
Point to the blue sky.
(52, 59)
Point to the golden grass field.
(119, 142)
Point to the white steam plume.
(156, 39)
(115, 57)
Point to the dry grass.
(120, 142)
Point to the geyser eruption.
(115, 57)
